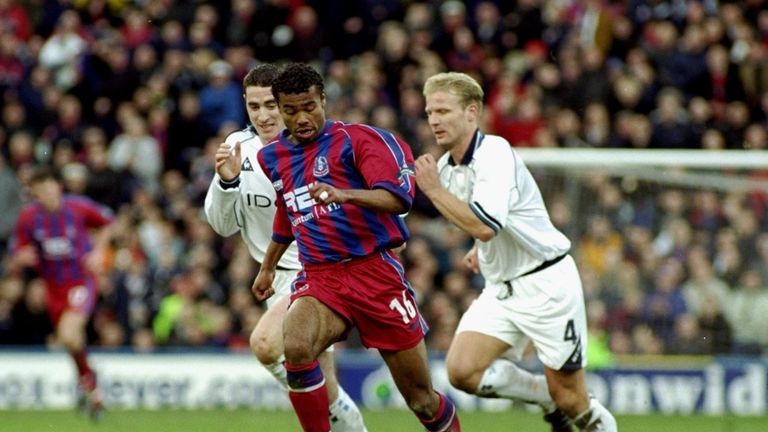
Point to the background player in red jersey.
(340, 192)
(52, 237)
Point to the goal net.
(649, 223)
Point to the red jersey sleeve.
(94, 214)
(282, 231)
(22, 235)
(385, 161)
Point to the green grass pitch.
(377, 421)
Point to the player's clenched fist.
(425, 168)
(262, 285)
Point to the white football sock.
(596, 418)
(277, 369)
(344, 414)
(504, 379)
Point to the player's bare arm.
(228, 161)
(25, 257)
(262, 286)
(452, 208)
(470, 260)
(94, 260)
(374, 199)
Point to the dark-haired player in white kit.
(241, 198)
(532, 286)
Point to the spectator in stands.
(105, 185)
(62, 50)
(137, 153)
(665, 303)
(746, 310)
(703, 288)
(11, 197)
(687, 337)
(670, 121)
(15, 19)
(220, 100)
(716, 332)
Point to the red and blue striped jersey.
(61, 238)
(345, 156)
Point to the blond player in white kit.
(532, 288)
(241, 198)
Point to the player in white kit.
(532, 287)
(241, 198)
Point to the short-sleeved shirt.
(502, 193)
(345, 156)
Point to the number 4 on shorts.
(570, 332)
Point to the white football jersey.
(501, 191)
(250, 207)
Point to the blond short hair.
(460, 84)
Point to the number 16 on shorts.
(405, 307)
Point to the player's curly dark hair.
(297, 78)
(262, 75)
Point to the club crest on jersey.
(246, 166)
(321, 167)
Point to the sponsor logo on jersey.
(257, 200)
(321, 167)
(278, 185)
(299, 200)
(246, 166)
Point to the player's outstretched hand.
(228, 160)
(262, 285)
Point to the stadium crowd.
(129, 101)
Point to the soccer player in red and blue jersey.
(341, 191)
(52, 237)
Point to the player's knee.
(462, 377)
(71, 340)
(264, 349)
(298, 351)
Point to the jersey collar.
(470, 153)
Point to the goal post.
(727, 170)
(642, 219)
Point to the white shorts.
(281, 285)
(546, 307)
